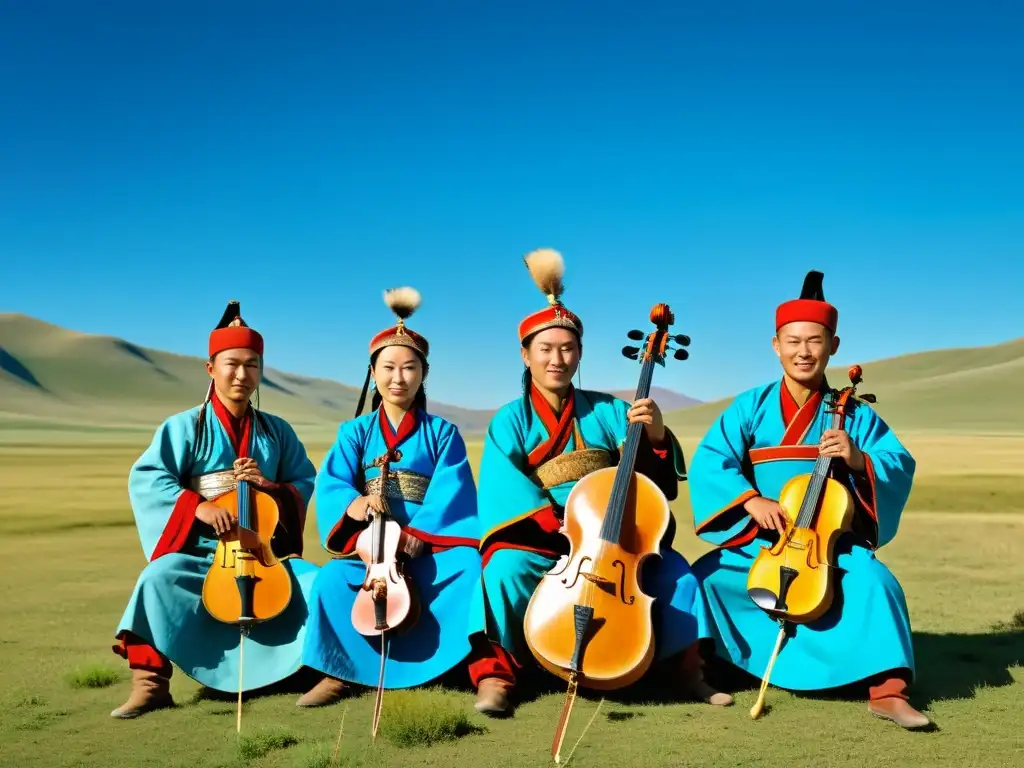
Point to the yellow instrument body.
(807, 554)
(247, 555)
(605, 576)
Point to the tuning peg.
(681, 339)
(681, 354)
(635, 335)
(631, 352)
(867, 397)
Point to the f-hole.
(622, 584)
(579, 570)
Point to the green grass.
(425, 717)
(69, 557)
(263, 741)
(95, 675)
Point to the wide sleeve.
(514, 511)
(882, 489)
(666, 465)
(164, 509)
(718, 480)
(295, 479)
(339, 483)
(448, 515)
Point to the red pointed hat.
(233, 333)
(810, 307)
(547, 269)
(403, 302)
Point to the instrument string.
(590, 722)
(819, 475)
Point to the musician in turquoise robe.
(536, 449)
(766, 436)
(430, 493)
(195, 456)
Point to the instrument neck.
(244, 505)
(377, 521)
(816, 486)
(612, 526)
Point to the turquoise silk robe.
(532, 459)
(752, 449)
(431, 494)
(166, 485)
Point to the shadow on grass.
(295, 685)
(954, 666)
(949, 666)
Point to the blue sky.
(303, 157)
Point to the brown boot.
(492, 696)
(150, 690)
(899, 711)
(327, 691)
(693, 686)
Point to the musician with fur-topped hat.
(195, 456)
(767, 436)
(429, 492)
(537, 448)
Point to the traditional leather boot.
(888, 699)
(899, 711)
(327, 691)
(690, 677)
(150, 690)
(492, 696)
(697, 688)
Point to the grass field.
(70, 556)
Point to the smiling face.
(804, 349)
(553, 356)
(236, 374)
(398, 374)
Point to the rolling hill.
(666, 399)
(975, 389)
(52, 378)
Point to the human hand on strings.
(648, 413)
(837, 443)
(216, 517)
(249, 470)
(767, 513)
(361, 506)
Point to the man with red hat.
(767, 436)
(537, 448)
(196, 456)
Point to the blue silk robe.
(166, 609)
(532, 459)
(434, 499)
(751, 451)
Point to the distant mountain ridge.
(55, 379)
(52, 376)
(666, 399)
